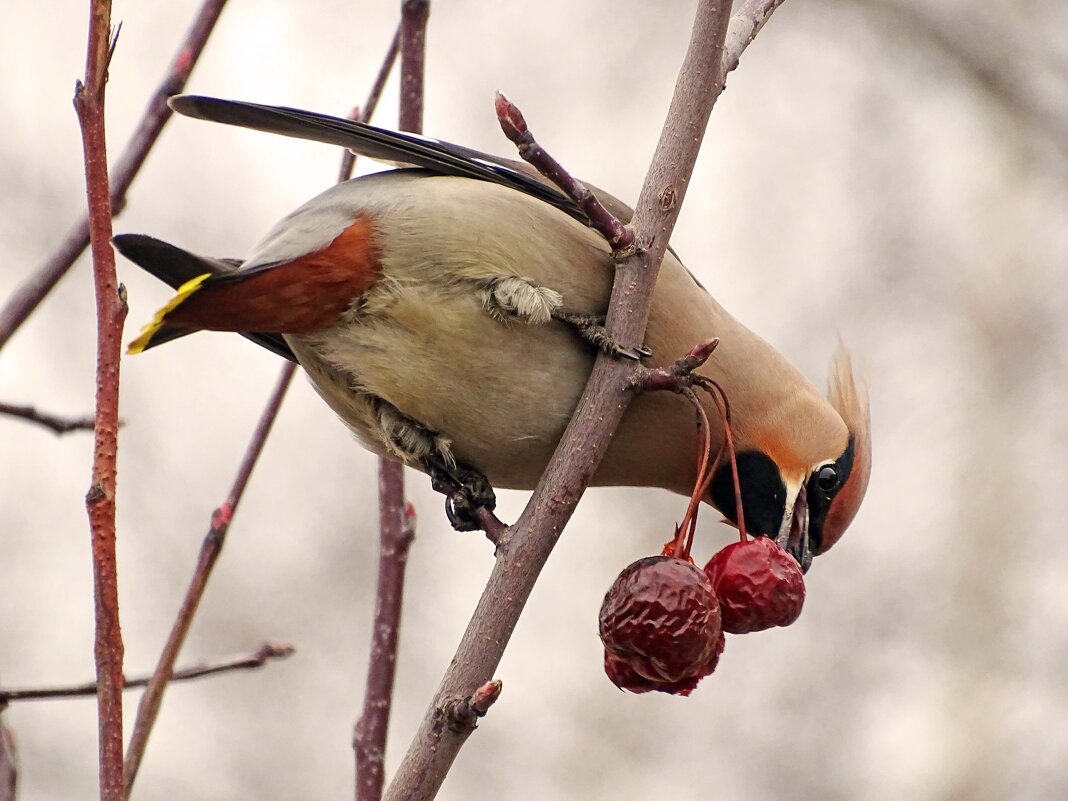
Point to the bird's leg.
(466, 490)
(510, 297)
(591, 329)
(407, 439)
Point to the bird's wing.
(391, 147)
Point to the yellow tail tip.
(144, 341)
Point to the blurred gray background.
(892, 172)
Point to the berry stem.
(717, 394)
(687, 528)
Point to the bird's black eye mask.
(763, 493)
(823, 485)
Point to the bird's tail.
(187, 273)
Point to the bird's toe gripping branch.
(591, 329)
(620, 237)
(469, 498)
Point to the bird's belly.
(501, 392)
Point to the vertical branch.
(30, 294)
(524, 550)
(110, 312)
(395, 522)
(152, 700)
(414, 14)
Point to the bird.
(449, 310)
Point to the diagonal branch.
(9, 762)
(34, 290)
(746, 23)
(524, 550)
(152, 700)
(365, 112)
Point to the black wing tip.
(141, 249)
(195, 105)
(125, 243)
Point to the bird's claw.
(636, 353)
(466, 490)
(591, 329)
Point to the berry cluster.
(663, 619)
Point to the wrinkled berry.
(759, 585)
(626, 678)
(661, 620)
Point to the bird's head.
(803, 472)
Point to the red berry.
(759, 585)
(661, 620)
(626, 678)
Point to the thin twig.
(396, 518)
(30, 294)
(514, 125)
(366, 111)
(525, 548)
(679, 375)
(148, 709)
(462, 714)
(54, 423)
(9, 762)
(110, 314)
(267, 652)
(746, 23)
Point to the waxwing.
(445, 311)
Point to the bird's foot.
(591, 329)
(468, 494)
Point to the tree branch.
(364, 113)
(414, 14)
(152, 700)
(514, 125)
(110, 314)
(34, 290)
(396, 518)
(524, 550)
(369, 735)
(746, 23)
(55, 423)
(9, 762)
(268, 652)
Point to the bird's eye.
(827, 479)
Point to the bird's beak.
(793, 536)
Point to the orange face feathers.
(850, 400)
